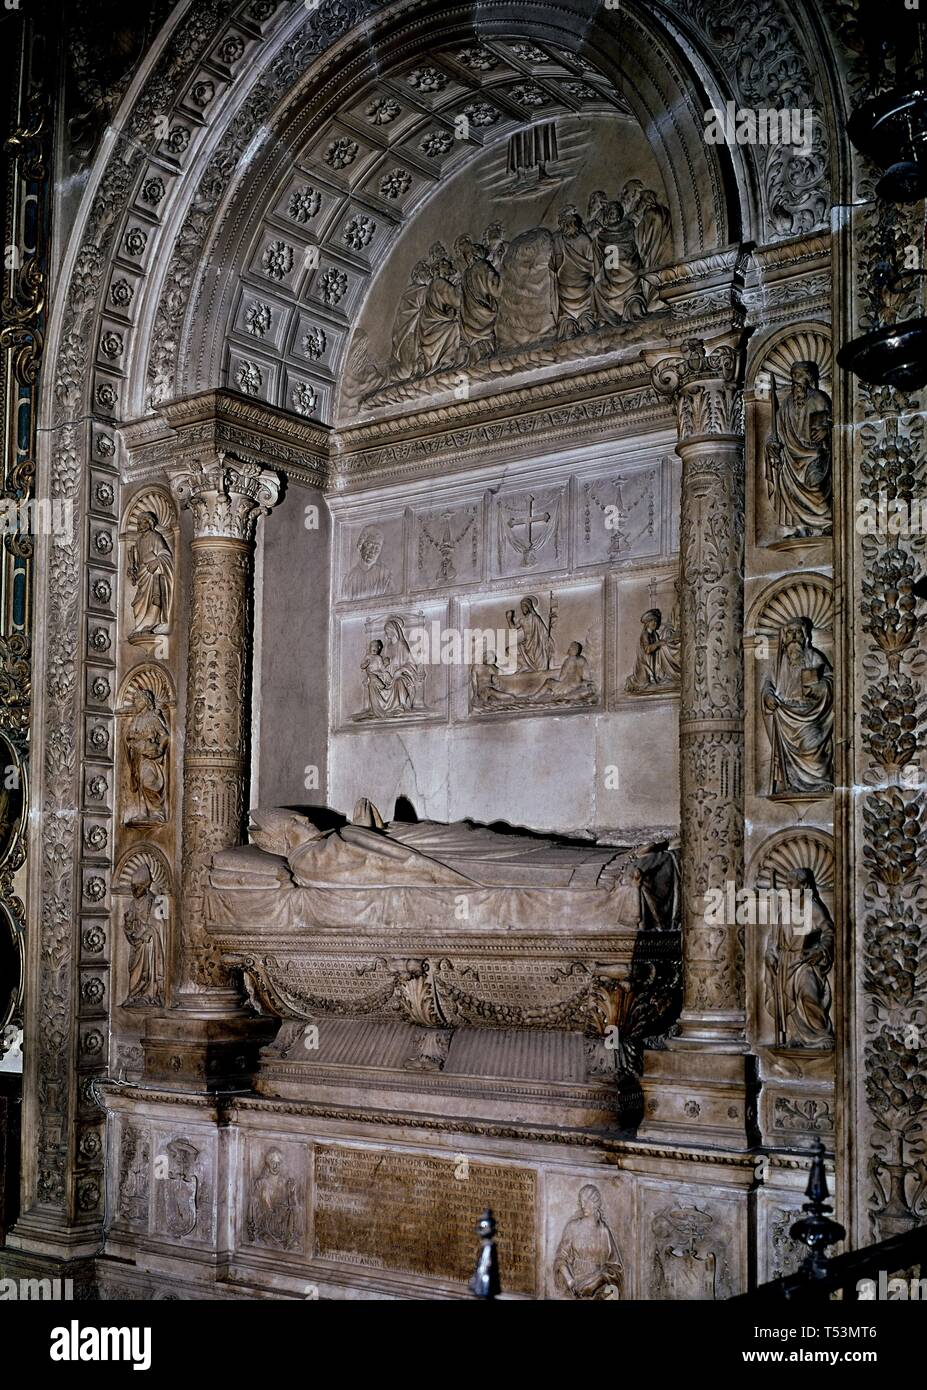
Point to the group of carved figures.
(494, 295)
(797, 699)
(146, 747)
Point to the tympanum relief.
(498, 293)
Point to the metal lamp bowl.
(888, 128)
(904, 182)
(892, 356)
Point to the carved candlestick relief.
(710, 423)
(226, 498)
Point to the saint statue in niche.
(798, 709)
(147, 740)
(143, 927)
(151, 570)
(587, 1263)
(657, 668)
(273, 1205)
(393, 680)
(367, 578)
(799, 958)
(798, 455)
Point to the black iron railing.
(858, 1275)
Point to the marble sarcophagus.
(393, 946)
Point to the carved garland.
(892, 466)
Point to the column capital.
(225, 495)
(704, 380)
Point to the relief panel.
(537, 652)
(392, 667)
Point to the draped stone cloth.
(528, 301)
(480, 289)
(439, 325)
(406, 332)
(413, 874)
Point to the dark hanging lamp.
(890, 128)
(895, 355)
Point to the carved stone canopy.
(225, 497)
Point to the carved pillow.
(278, 830)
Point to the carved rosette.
(710, 424)
(226, 498)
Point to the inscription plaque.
(410, 1214)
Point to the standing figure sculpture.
(143, 927)
(479, 303)
(799, 958)
(147, 740)
(574, 265)
(798, 709)
(621, 289)
(534, 636)
(439, 320)
(587, 1263)
(798, 455)
(151, 570)
(404, 361)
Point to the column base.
(62, 1279)
(700, 1095)
(208, 1052)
